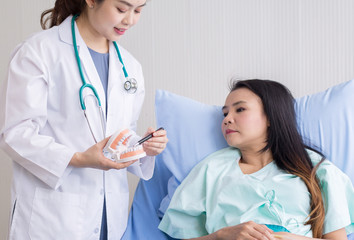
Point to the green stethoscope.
(130, 85)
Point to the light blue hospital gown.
(217, 194)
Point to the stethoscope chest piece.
(131, 85)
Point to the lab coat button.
(96, 230)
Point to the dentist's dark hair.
(62, 9)
(285, 143)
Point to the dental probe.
(147, 137)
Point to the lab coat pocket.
(56, 215)
(13, 218)
(13, 212)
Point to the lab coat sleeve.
(144, 168)
(23, 114)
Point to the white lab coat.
(42, 126)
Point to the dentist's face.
(245, 124)
(112, 18)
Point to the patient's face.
(245, 123)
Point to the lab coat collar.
(116, 74)
(65, 32)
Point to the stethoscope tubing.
(120, 59)
(84, 84)
(130, 85)
(87, 85)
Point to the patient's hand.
(248, 230)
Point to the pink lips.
(120, 31)
(228, 131)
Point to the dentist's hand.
(94, 158)
(156, 144)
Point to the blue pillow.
(194, 130)
(326, 122)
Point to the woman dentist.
(60, 190)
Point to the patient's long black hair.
(285, 143)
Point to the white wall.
(193, 47)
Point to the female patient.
(267, 181)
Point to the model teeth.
(124, 140)
(130, 149)
(118, 147)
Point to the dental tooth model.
(120, 147)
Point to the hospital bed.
(327, 118)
